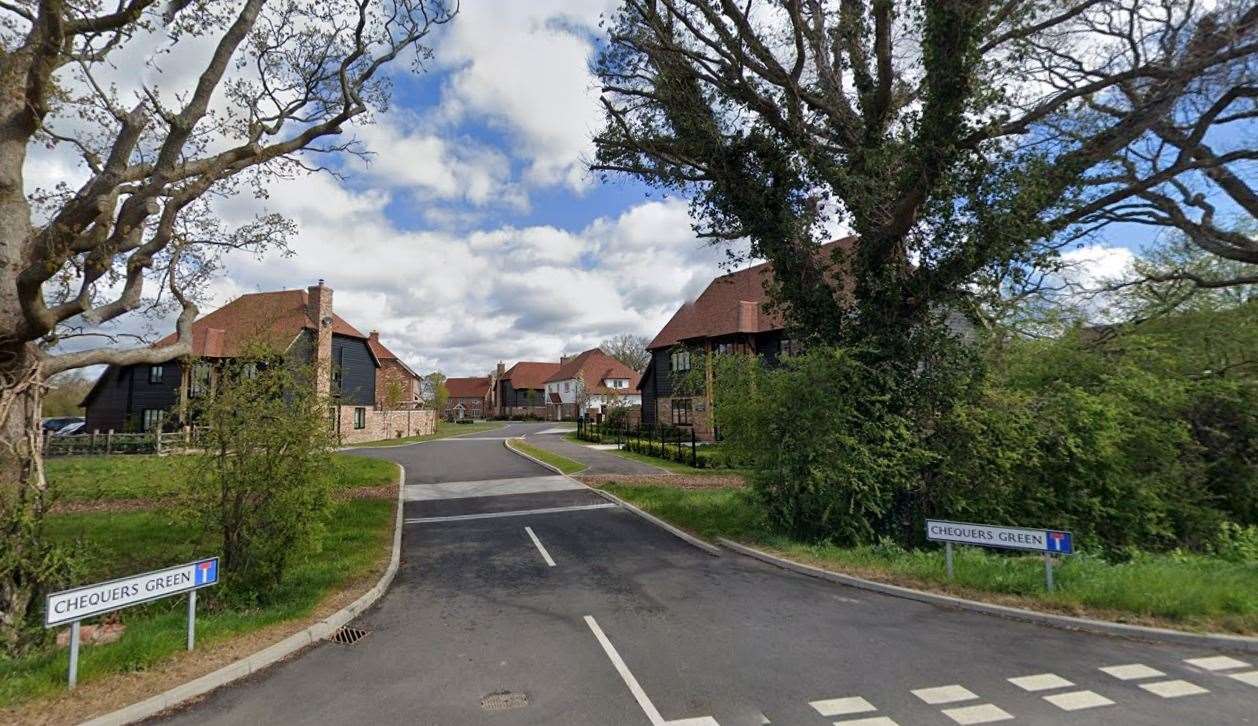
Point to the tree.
(65, 394)
(948, 136)
(432, 390)
(628, 349)
(279, 82)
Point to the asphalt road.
(631, 626)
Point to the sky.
(475, 234)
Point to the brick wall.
(378, 424)
(700, 418)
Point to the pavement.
(596, 461)
(546, 606)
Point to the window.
(681, 360)
(360, 418)
(156, 373)
(336, 370)
(152, 419)
(786, 346)
(681, 411)
(249, 371)
(199, 385)
(566, 384)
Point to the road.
(578, 613)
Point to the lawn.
(111, 478)
(445, 429)
(354, 543)
(1177, 590)
(562, 463)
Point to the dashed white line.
(513, 513)
(1041, 682)
(652, 713)
(842, 706)
(1250, 677)
(1131, 672)
(1173, 689)
(872, 721)
(1078, 700)
(983, 713)
(1216, 663)
(944, 694)
(540, 548)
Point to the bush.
(261, 484)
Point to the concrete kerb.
(683, 536)
(272, 654)
(1236, 643)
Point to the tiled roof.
(595, 366)
(382, 353)
(271, 318)
(467, 387)
(732, 303)
(530, 374)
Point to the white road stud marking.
(513, 513)
(1173, 689)
(944, 694)
(842, 706)
(1132, 672)
(983, 713)
(873, 721)
(1216, 663)
(1041, 682)
(644, 701)
(1078, 700)
(540, 548)
(1250, 677)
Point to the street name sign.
(1050, 541)
(80, 603)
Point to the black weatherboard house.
(143, 397)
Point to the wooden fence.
(109, 443)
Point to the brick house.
(468, 397)
(297, 324)
(396, 382)
(588, 384)
(521, 389)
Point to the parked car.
(56, 423)
(70, 429)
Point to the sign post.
(1048, 541)
(73, 606)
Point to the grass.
(445, 429)
(114, 544)
(1186, 591)
(562, 463)
(112, 478)
(675, 467)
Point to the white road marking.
(1078, 700)
(1216, 663)
(842, 706)
(1250, 677)
(1173, 689)
(514, 513)
(874, 721)
(983, 713)
(540, 548)
(1041, 682)
(652, 713)
(944, 694)
(1132, 671)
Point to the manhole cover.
(504, 701)
(348, 636)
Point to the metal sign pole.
(1048, 571)
(74, 653)
(192, 619)
(948, 558)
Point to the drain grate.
(504, 701)
(348, 636)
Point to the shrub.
(261, 483)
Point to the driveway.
(530, 601)
(597, 461)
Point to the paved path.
(596, 461)
(576, 613)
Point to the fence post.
(694, 454)
(92, 447)
(109, 442)
(157, 440)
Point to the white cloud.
(1090, 265)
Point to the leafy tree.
(628, 349)
(281, 80)
(1178, 276)
(394, 394)
(65, 394)
(432, 390)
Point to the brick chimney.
(374, 336)
(319, 310)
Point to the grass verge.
(445, 430)
(562, 463)
(1171, 590)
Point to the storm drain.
(348, 636)
(504, 701)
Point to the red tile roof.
(467, 387)
(732, 303)
(271, 318)
(595, 366)
(530, 374)
(383, 353)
